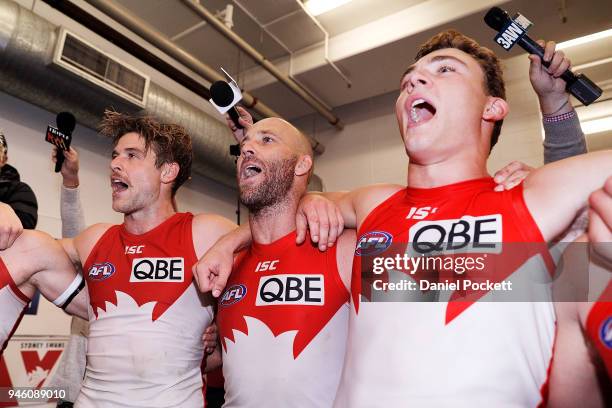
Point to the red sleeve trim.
(6, 276)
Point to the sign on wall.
(29, 362)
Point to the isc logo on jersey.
(291, 290)
(373, 243)
(158, 270)
(233, 294)
(465, 234)
(605, 333)
(101, 271)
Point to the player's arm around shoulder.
(207, 229)
(366, 199)
(325, 215)
(356, 204)
(556, 192)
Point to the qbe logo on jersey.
(465, 234)
(158, 270)
(291, 290)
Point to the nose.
(247, 149)
(417, 78)
(115, 164)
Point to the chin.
(120, 207)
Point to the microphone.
(224, 97)
(514, 31)
(65, 122)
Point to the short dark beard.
(273, 189)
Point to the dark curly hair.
(170, 142)
(488, 61)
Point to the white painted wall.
(24, 126)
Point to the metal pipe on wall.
(26, 42)
(263, 61)
(139, 27)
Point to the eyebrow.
(129, 150)
(265, 131)
(437, 58)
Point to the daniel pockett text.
(454, 266)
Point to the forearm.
(563, 138)
(238, 239)
(335, 196)
(71, 211)
(344, 201)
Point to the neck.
(448, 171)
(274, 222)
(144, 220)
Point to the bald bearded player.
(283, 318)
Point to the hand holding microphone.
(224, 97)
(244, 119)
(65, 124)
(70, 168)
(547, 82)
(513, 31)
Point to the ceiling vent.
(89, 63)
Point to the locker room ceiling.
(371, 41)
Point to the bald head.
(296, 140)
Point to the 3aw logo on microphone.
(513, 31)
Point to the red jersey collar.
(449, 189)
(276, 246)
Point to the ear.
(169, 172)
(495, 109)
(303, 165)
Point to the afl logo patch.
(373, 243)
(101, 271)
(233, 294)
(605, 333)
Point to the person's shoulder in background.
(19, 196)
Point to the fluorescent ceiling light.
(597, 125)
(316, 7)
(585, 39)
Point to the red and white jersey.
(146, 319)
(283, 322)
(450, 347)
(599, 327)
(12, 306)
